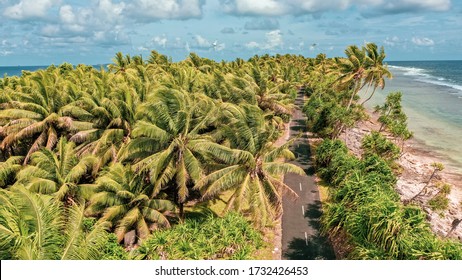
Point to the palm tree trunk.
(181, 214)
(383, 124)
(355, 91)
(369, 98)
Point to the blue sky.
(42, 32)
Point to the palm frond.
(282, 168)
(8, 114)
(73, 233)
(84, 166)
(127, 223)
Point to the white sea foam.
(422, 75)
(411, 71)
(445, 84)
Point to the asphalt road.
(301, 239)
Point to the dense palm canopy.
(32, 113)
(129, 143)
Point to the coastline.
(416, 169)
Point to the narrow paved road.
(300, 222)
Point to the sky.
(44, 32)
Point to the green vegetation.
(203, 237)
(365, 206)
(362, 206)
(376, 143)
(36, 227)
(95, 163)
(93, 158)
(393, 118)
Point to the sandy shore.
(416, 170)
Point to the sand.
(416, 170)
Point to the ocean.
(16, 70)
(432, 100)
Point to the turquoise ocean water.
(432, 99)
(16, 70)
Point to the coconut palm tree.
(170, 143)
(377, 71)
(121, 198)
(33, 117)
(38, 227)
(352, 70)
(255, 183)
(112, 113)
(254, 174)
(268, 94)
(58, 174)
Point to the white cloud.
(111, 11)
(273, 41)
(255, 7)
(116, 36)
(5, 53)
(392, 41)
(283, 7)
(219, 46)
(29, 9)
(7, 47)
(252, 45)
(160, 41)
(50, 30)
(424, 41)
(95, 24)
(202, 42)
(66, 14)
(147, 10)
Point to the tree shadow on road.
(302, 151)
(316, 246)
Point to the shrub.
(210, 237)
(364, 204)
(376, 143)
